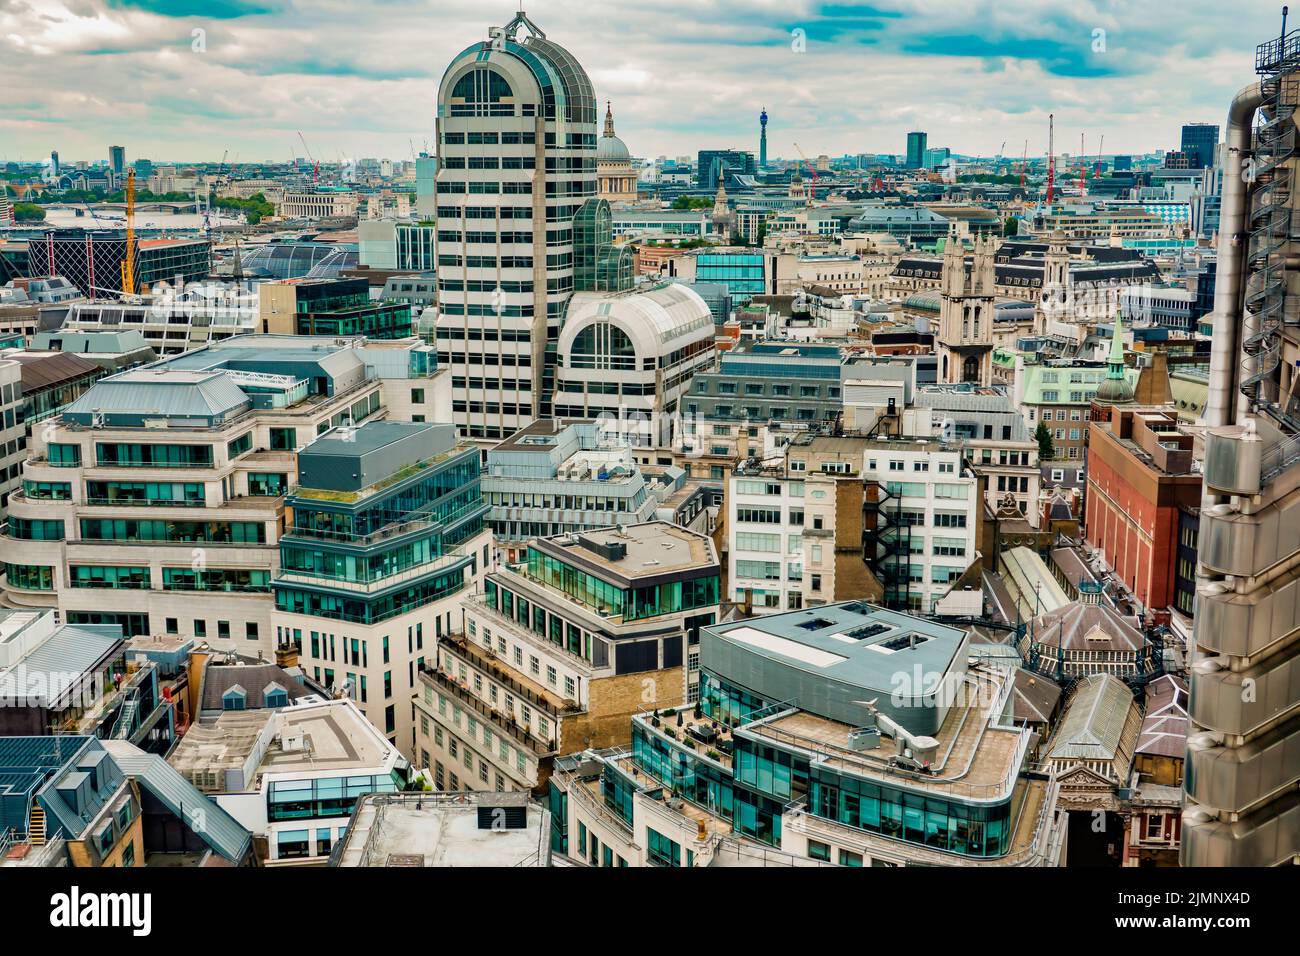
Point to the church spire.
(609, 119)
(1115, 364)
(1115, 389)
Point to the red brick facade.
(1132, 503)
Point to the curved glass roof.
(334, 263)
(292, 260)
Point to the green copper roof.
(1116, 360)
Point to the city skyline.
(174, 81)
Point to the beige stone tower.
(964, 343)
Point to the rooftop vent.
(867, 630)
(817, 624)
(609, 550)
(904, 642)
(502, 818)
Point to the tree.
(1010, 226)
(28, 212)
(1043, 435)
(692, 202)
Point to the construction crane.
(207, 195)
(812, 192)
(315, 166)
(1083, 167)
(1024, 161)
(1097, 172)
(128, 263)
(1051, 156)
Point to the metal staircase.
(887, 544)
(125, 722)
(1269, 228)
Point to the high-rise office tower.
(710, 162)
(915, 150)
(117, 160)
(1199, 142)
(762, 140)
(1242, 804)
(517, 144)
(54, 162)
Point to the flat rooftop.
(976, 759)
(634, 552)
(335, 738)
(365, 438)
(854, 642)
(539, 434)
(445, 829)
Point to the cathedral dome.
(609, 148)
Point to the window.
(818, 850)
(662, 851)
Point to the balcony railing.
(500, 722)
(492, 665)
(379, 584)
(521, 630)
(396, 529)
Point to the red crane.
(1051, 156)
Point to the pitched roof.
(255, 680)
(1093, 727)
(1164, 729)
(213, 825)
(1034, 697)
(59, 663)
(43, 370)
(1086, 627)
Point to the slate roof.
(1086, 627)
(1034, 697)
(255, 679)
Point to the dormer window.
(273, 695)
(234, 699)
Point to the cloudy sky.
(186, 79)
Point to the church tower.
(1054, 298)
(964, 344)
(724, 220)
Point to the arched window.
(482, 92)
(604, 346)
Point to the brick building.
(1139, 476)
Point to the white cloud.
(359, 78)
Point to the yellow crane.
(128, 263)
